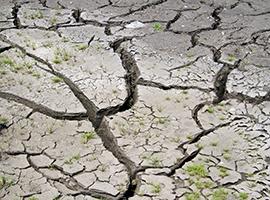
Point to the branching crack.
(148, 83)
(155, 3)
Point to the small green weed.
(210, 109)
(231, 57)
(214, 144)
(53, 21)
(223, 172)
(220, 194)
(5, 182)
(3, 120)
(226, 156)
(155, 161)
(189, 136)
(156, 188)
(203, 184)
(71, 160)
(82, 47)
(61, 55)
(6, 61)
(162, 120)
(33, 198)
(36, 74)
(65, 39)
(192, 196)
(87, 136)
(157, 27)
(36, 15)
(243, 196)
(47, 44)
(56, 79)
(57, 60)
(197, 170)
(102, 168)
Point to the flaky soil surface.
(135, 99)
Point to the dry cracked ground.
(135, 99)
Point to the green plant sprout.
(36, 15)
(243, 196)
(197, 170)
(56, 79)
(223, 172)
(192, 196)
(3, 120)
(210, 109)
(156, 188)
(220, 194)
(60, 55)
(87, 136)
(157, 27)
(82, 47)
(5, 182)
(71, 160)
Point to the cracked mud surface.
(145, 99)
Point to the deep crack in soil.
(148, 99)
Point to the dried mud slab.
(139, 100)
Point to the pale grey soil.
(172, 99)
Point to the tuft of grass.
(32, 198)
(102, 168)
(61, 55)
(2, 72)
(199, 146)
(71, 160)
(30, 44)
(56, 79)
(53, 20)
(167, 98)
(5, 182)
(226, 150)
(243, 196)
(222, 118)
(210, 109)
(87, 136)
(65, 39)
(6, 61)
(66, 56)
(47, 44)
(157, 27)
(176, 139)
(185, 92)
(203, 184)
(36, 74)
(214, 144)
(36, 15)
(220, 194)
(156, 188)
(162, 120)
(3, 120)
(223, 172)
(231, 57)
(197, 170)
(57, 60)
(189, 136)
(155, 161)
(226, 156)
(192, 196)
(27, 65)
(82, 47)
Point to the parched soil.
(135, 99)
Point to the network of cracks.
(145, 99)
